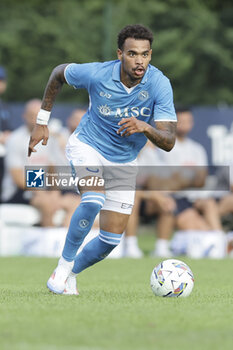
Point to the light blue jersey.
(110, 102)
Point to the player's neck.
(128, 81)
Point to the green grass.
(116, 309)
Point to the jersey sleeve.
(164, 109)
(79, 75)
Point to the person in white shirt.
(151, 203)
(48, 202)
(195, 211)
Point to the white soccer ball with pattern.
(172, 278)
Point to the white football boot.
(71, 285)
(57, 281)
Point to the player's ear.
(150, 53)
(119, 54)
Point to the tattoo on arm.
(163, 136)
(53, 87)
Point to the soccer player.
(125, 96)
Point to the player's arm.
(163, 136)
(54, 85)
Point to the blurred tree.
(192, 46)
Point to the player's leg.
(113, 221)
(69, 203)
(113, 218)
(80, 225)
(112, 226)
(82, 158)
(82, 220)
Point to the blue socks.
(96, 250)
(81, 222)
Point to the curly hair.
(135, 31)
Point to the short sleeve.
(79, 75)
(164, 109)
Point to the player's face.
(135, 57)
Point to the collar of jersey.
(117, 69)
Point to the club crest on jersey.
(83, 223)
(143, 95)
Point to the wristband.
(43, 117)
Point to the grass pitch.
(116, 309)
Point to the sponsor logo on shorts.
(126, 206)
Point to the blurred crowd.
(171, 195)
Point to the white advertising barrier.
(200, 244)
(31, 241)
(34, 241)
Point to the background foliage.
(193, 42)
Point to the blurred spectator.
(150, 203)
(179, 203)
(59, 135)
(226, 206)
(48, 202)
(74, 119)
(195, 210)
(5, 123)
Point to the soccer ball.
(172, 278)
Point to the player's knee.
(92, 202)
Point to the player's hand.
(131, 126)
(39, 132)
